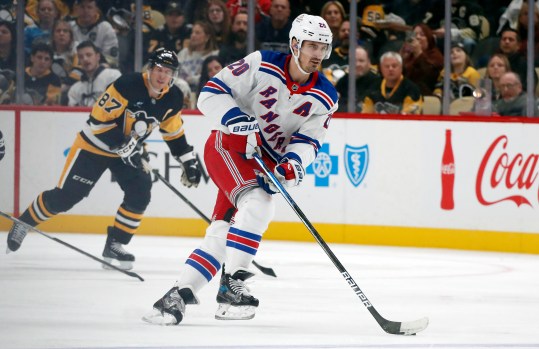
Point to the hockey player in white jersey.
(272, 103)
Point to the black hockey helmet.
(164, 58)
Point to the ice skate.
(16, 235)
(235, 301)
(170, 309)
(114, 251)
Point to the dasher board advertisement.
(368, 172)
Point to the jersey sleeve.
(216, 99)
(305, 143)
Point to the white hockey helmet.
(313, 28)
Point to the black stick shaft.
(28, 226)
(388, 326)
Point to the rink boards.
(375, 181)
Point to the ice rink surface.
(54, 297)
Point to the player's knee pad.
(60, 200)
(214, 241)
(255, 211)
(138, 194)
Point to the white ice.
(54, 297)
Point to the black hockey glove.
(130, 153)
(2, 146)
(191, 169)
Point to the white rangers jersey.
(293, 119)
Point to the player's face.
(311, 55)
(161, 77)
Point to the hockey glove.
(129, 152)
(289, 172)
(191, 169)
(265, 183)
(244, 137)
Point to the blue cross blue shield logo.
(324, 166)
(356, 162)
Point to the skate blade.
(157, 318)
(124, 265)
(229, 312)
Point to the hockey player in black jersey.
(122, 118)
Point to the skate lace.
(239, 287)
(17, 233)
(118, 248)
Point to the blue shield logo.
(356, 161)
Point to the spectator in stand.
(236, 46)
(366, 77)
(201, 45)
(465, 21)
(510, 46)
(422, 60)
(65, 61)
(313, 7)
(31, 10)
(522, 29)
(337, 63)
(262, 8)
(511, 14)
(210, 67)
(8, 59)
(174, 33)
(90, 25)
(96, 77)
(272, 32)
(394, 94)
(334, 14)
(41, 31)
(464, 77)
(514, 100)
(411, 11)
(218, 16)
(496, 67)
(43, 86)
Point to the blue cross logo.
(323, 166)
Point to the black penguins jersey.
(126, 110)
(404, 98)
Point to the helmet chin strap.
(150, 84)
(296, 59)
(159, 92)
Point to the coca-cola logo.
(448, 168)
(502, 174)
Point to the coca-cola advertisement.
(448, 174)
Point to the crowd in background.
(75, 48)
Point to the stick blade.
(408, 328)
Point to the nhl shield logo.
(356, 161)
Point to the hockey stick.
(392, 327)
(28, 226)
(265, 270)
